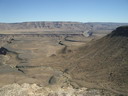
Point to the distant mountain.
(57, 27)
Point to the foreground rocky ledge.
(54, 90)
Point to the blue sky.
(64, 10)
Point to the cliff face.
(48, 26)
(59, 27)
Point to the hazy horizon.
(62, 21)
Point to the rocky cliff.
(56, 27)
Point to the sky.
(12, 11)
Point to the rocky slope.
(103, 63)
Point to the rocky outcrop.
(3, 51)
(35, 90)
(120, 31)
